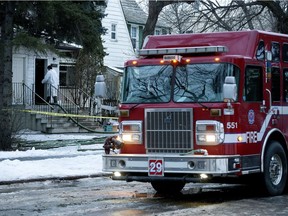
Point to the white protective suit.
(51, 79)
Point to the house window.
(157, 32)
(63, 76)
(113, 31)
(133, 35)
(165, 32)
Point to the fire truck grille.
(168, 130)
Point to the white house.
(124, 22)
(117, 42)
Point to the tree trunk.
(6, 75)
(155, 7)
(279, 13)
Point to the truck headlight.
(131, 137)
(209, 132)
(131, 132)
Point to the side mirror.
(230, 89)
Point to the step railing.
(67, 105)
(79, 97)
(34, 103)
(29, 96)
(66, 102)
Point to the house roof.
(115, 71)
(134, 14)
(68, 46)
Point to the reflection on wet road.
(102, 196)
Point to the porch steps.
(60, 125)
(55, 124)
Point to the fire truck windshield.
(147, 84)
(202, 82)
(193, 83)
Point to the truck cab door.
(255, 104)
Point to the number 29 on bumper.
(155, 167)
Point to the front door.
(40, 68)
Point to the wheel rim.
(276, 169)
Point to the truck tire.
(168, 187)
(275, 169)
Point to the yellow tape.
(65, 115)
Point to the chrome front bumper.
(172, 164)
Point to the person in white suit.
(51, 79)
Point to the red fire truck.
(204, 107)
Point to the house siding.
(119, 50)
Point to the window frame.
(261, 45)
(260, 80)
(157, 31)
(113, 32)
(135, 44)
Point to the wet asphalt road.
(102, 196)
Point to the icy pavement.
(69, 161)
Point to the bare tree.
(179, 17)
(217, 16)
(279, 11)
(155, 7)
(230, 15)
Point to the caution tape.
(63, 114)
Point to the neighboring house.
(136, 19)
(124, 22)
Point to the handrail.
(42, 99)
(27, 96)
(80, 97)
(66, 98)
(66, 101)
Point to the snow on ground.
(58, 162)
(38, 136)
